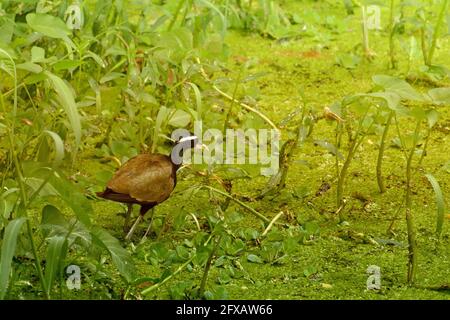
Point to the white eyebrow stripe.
(187, 138)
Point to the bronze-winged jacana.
(147, 180)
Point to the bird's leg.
(133, 227)
(127, 217)
(149, 225)
(142, 212)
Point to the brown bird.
(147, 180)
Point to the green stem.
(175, 16)
(391, 36)
(425, 147)
(412, 244)
(424, 45)
(232, 102)
(23, 195)
(380, 181)
(436, 33)
(208, 266)
(159, 284)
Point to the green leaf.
(59, 146)
(68, 103)
(29, 66)
(179, 118)
(254, 258)
(162, 115)
(74, 198)
(392, 99)
(48, 25)
(399, 86)
(8, 249)
(120, 257)
(198, 98)
(35, 183)
(439, 201)
(52, 216)
(37, 54)
(54, 262)
(440, 95)
(329, 147)
(67, 64)
(432, 117)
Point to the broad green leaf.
(392, 99)
(67, 64)
(52, 216)
(120, 257)
(29, 66)
(254, 258)
(68, 103)
(432, 118)
(37, 54)
(179, 118)
(48, 25)
(439, 201)
(399, 86)
(54, 262)
(329, 147)
(8, 249)
(59, 146)
(35, 183)
(440, 95)
(7, 63)
(111, 76)
(74, 198)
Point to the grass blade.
(56, 253)
(8, 250)
(68, 103)
(59, 146)
(439, 202)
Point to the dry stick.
(253, 211)
(272, 223)
(245, 106)
(180, 268)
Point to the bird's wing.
(146, 178)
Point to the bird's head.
(189, 141)
(183, 143)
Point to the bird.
(147, 179)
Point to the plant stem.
(232, 101)
(175, 16)
(380, 181)
(159, 284)
(391, 36)
(23, 197)
(423, 44)
(208, 266)
(412, 245)
(436, 33)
